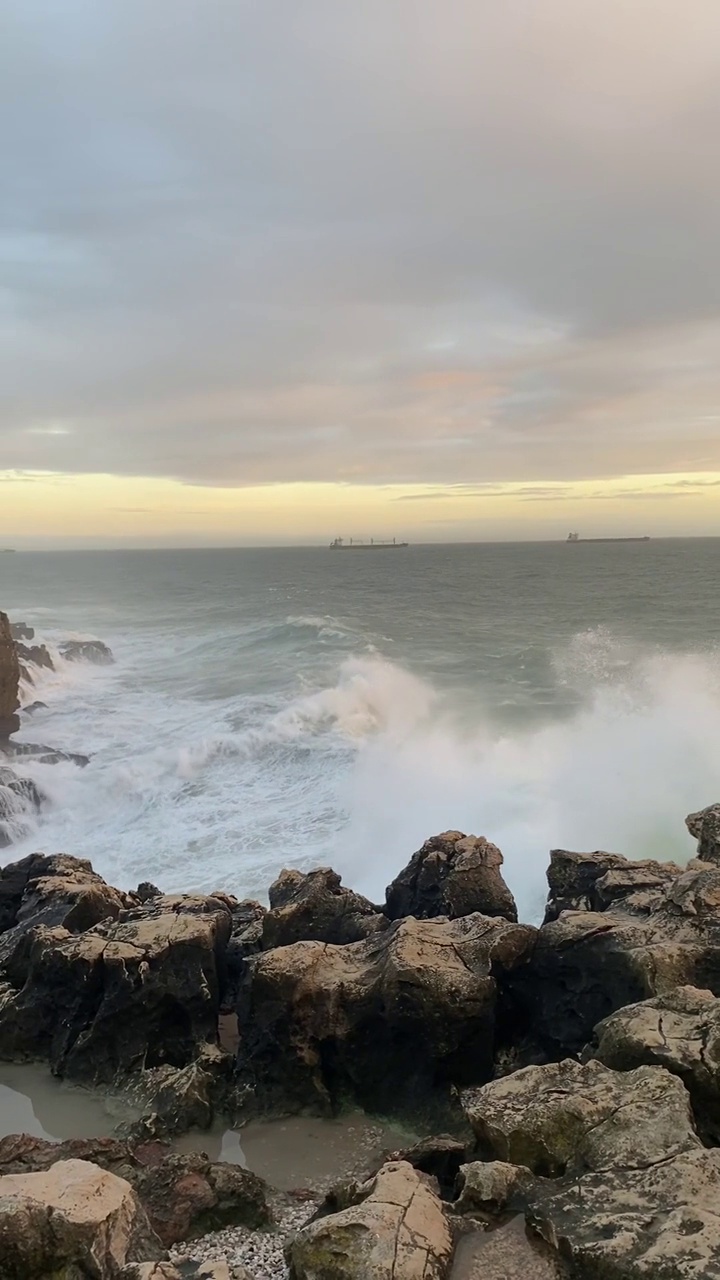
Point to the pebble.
(260, 1252)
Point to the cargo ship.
(352, 544)
(575, 537)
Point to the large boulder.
(134, 993)
(9, 681)
(625, 1189)
(452, 875)
(384, 1022)
(183, 1195)
(72, 1222)
(679, 1030)
(705, 827)
(589, 963)
(316, 906)
(396, 1230)
(21, 631)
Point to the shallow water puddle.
(509, 1252)
(303, 1151)
(33, 1101)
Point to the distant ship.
(575, 537)
(353, 545)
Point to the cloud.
(409, 241)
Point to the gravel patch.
(260, 1252)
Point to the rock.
(73, 1220)
(191, 1270)
(625, 1190)
(21, 631)
(569, 1117)
(387, 1022)
(588, 964)
(20, 798)
(705, 827)
(491, 1187)
(680, 1031)
(183, 1195)
(440, 1157)
(316, 906)
(397, 1232)
(452, 875)
(43, 754)
(87, 651)
(126, 995)
(9, 681)
(37, 655)
(596, 881)
(33, 707)
(42, 890)
(146, 891)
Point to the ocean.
(272, 708)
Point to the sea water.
(272, 708)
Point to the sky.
(283, 271)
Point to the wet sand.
(509, 1252)
(303, 1151)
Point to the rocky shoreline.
(564, 1080)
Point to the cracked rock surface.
(397, 1231)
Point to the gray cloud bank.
(388, 241)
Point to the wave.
(358, 769)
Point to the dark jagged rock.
(588, 964)
(385, 1022)
(87, 651)
(315, 906)
(596, 881)
(9, 681)
(679, 1031)
(129, 994)
(183, 1195)
(705, 827)
(51, 891)
(245, 940)
(21, 631)
(623, 1188)
(42, 754)
(146, 891)
(452, 875)
(37, 655)
(32, 707)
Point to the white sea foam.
(358, 770)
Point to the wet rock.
(596, 881)
(441, 1157)
(42, 890)
(184, 1195)
(705, 827)
(42, 754)
(21, 631)
(9, 681)
(680, 1031)
(20, 798)
(452, 875)
(126, 995)
(37, 655)
(624, 1188)
(87, 651)
(316, 906)
(191, 1269)
(588, 964)
(72, 1220)
(384, 1022)
(146, 891)
(397, 1231)
(33, 707)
